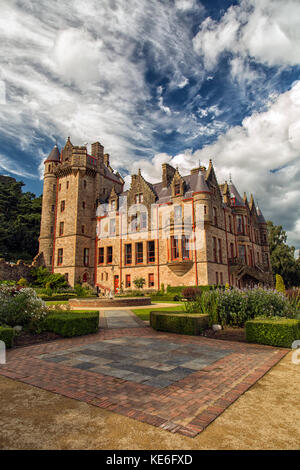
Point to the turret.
(48, 206)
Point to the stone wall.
(14, 272)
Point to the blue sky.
(158, 81)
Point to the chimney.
(167, 174)
(106, 159)
(97, 150)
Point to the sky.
(155, 81)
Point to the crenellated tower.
(74, 183)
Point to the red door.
(116, 283)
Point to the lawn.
(144, 313)
(56, 302)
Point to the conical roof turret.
(54, 155)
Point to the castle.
(184, 230)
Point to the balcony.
(180, 266)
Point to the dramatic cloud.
(265, 30)
(157, 81)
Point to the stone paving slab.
(193, 381)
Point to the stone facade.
(184, 230)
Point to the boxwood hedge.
(276, 331)
(72, 323)
(7, 335)
(178, 322)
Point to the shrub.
(280, 287)
(7, 335)
(178, 322)
(72, 323)
(162, 288)
(43, 278)
(22, 282)
(139, 282)
(21, 306)
(275, 331)
(293, 296)
(60, 296)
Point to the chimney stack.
(97, 150)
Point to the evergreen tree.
(20, 218)
(283, 256)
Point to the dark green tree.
(283, 256)
(20, 217)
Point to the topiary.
(280, 287)
(22, 282)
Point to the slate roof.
(260, 216)
(54, 155)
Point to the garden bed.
(27, 339)
(227, 334)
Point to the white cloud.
(265, 141)
(265, 30)
(14, 169)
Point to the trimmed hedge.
(72, 323)
(274, 331)
(46, 297)
(7, 335)
(179, 289)
(178, 322)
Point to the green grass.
(144, 313)
(56, 302)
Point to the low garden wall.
(179, 322)
(109, 303)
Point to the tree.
(139, 282)
(283, 256)
(20, 218)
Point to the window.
(177, 189)
(240, 224)
(139, 258)
(102, 276)
(83, 205)
(82, 228)
(49, 167)
(54, 187)
(51, 259)
(61, 228)
(67, 184)
(215, 250)
(174, 248)
(62, 206)
(139, 198)
(106, 276)
(258, 259)
(59, 187)
(151, 251)
(51, 229)
(221, 279)
(217, 279)
(151, 280)
(185, 248)
(113, 205)
(242, 253)
(128, 253)
(220, 250)
(128, 280)
(86, 256)
(143, 220)
(60, 254)
(112, 226)
(205, 210)
(230, 224)
(177, 214)
(101, 255)
(215, 217)
(109, 254)
(52, 208)
(84, 184)
(231, 250)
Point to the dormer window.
(177, 189)
(139, 198)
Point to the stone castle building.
(184, 230)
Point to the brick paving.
(178, 383)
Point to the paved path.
(121, 319)
(175, 382)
